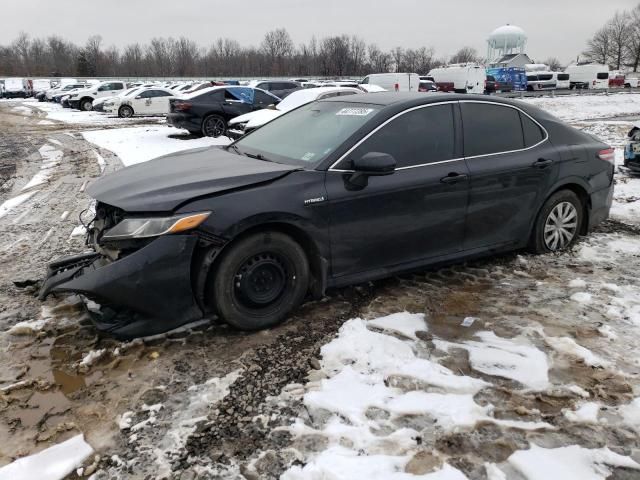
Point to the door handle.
(454, 177)
(542, 163)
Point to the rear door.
(511, 164)
(160, 102)
(415, 213)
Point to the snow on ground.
(139, 144)
(573, 108)
(56, 112)
(54, 463)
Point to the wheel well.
(584, 199)
(317, 263)
(86, 98)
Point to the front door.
(414, 214)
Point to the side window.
(262, 98)
(162, 93)
(147, 94)
(265, 86)
(490, 128)
(533, 134)
(425, 135)
(365, 81)
(215, 96)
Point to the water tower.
(505, 40)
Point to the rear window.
(602, 76)
(533, 134)
(490, 128)
(563, 76)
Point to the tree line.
(277, 55)
(617, 43)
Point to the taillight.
(608, 155)
(181, 106)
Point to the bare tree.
(553, 63)
(397, 55)
(633, 44)
(278, 46)
(618, 30)
(599, 47)
(465, 55)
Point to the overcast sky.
(555, 27)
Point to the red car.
(616, 81)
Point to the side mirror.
(272, 106)
(375, 163)
(372, 164)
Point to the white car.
(243, 124)
(83, 100)
(98, 105)
(147, 101)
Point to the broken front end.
(137, 280)
(632, 150)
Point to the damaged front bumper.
(145, 293)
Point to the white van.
(540, 81)
(41, 85)
(17, 87)
(562, 80)
(465, 77)
(591, 76)
(394, 82)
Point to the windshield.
(308, 135)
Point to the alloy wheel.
(561, 226)
(214, 127)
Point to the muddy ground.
(200, 402)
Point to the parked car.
(150, 101)
(592, 76)
(632, 80)
(632, 150)
(336, 192)
(616, 80)
(394, 82)
(207, 112)
(427, 86)
(41, 85)
(562, 79)
(18, 87)
(83, 99)
(98, 105)
(465, 77)
(248, 122)
(279, 88)
(51, 94)
(1, 88)
(540, 81)
(65, 92)
(492, 85)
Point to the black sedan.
(207, 112)
(336, 192)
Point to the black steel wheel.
(259, 281)
(214, 126)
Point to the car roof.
(417, 98)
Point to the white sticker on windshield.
(308, 156)
(355, 112)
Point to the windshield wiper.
(235, 148)
(257, 156)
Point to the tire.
(86, 104)
(259, 281)
(125, 111)
(213, 126)
(558, 224)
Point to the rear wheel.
(214, 126)
(259, 281)
(559, 223)
(125, 111)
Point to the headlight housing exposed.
(132, 228)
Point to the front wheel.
(259, 281)
(214, 126)
(559, 223)
(125, 111)
(86, 105)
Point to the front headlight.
(131, 228)
(73, 96)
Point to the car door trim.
(449, 102)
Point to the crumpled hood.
(162, 184)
